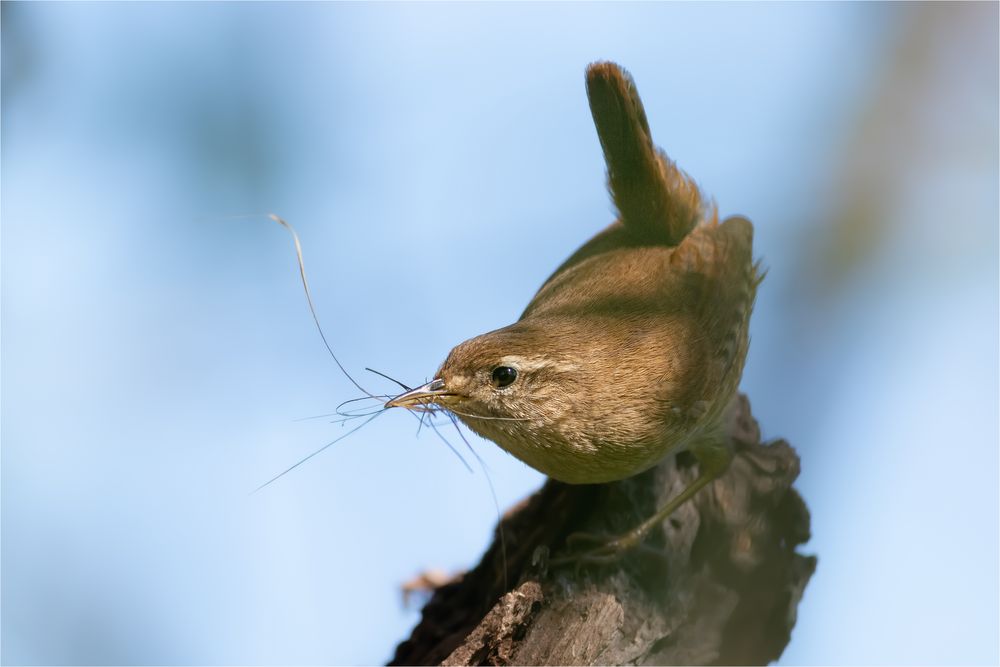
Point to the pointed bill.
(421, 396)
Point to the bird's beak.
(422, 395)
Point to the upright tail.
(657, 202)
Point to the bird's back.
(701, 290)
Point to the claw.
(581, 539)
(603, 551)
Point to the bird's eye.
(503, 376)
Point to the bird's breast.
(581, 455)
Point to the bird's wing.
(715, 269)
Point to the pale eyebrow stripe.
(533, 364)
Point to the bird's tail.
(657, 202)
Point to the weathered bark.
(719, 584)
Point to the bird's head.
(505, 380)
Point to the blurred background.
(438, 162)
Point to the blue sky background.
(439, 161)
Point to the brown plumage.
(635, 345)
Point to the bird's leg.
(713, 458)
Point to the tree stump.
(719, 583)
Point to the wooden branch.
(719, 584)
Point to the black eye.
(503, 375)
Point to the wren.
(634, 347)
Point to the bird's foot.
(596, 549)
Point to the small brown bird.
(634, 347)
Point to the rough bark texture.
(719, 584)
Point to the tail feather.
(657, 202)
